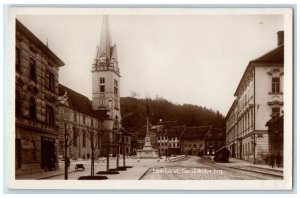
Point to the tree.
(68, 141)
(94, 142)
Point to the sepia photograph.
(138, 98)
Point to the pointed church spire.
(105, 40)
(114, 56)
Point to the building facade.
(94, 125)
(36, 93)
(106, 85)
(232, 134)
(173, 135)
(214, 140)
(259, 95)
(82, 126)
(192, 140)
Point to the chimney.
(280, 38)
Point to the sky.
(186, 59)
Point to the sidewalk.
(239, 162)
(139, 167)
(42, 174)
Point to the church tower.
(106, 79)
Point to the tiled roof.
(223, 149)
(195, 132)
(275, 55)
(214, 132)
(80, 103)
(175, 131)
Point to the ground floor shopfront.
(35, 150)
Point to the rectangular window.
(102, 88)
(32, 69)
(116, 103)
(49, 81)
(18, 59)
(83, 139)
(32, 108)
(276, 111)
(49, 115)
(92, 122)
(115, 87)
(75, 117)
(83, 119)
(75, 135)
(102, 80)
(275, 85)
(102, 84)
(116, 91)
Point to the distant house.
(192, 140)
(214, 140)
(173, 135)
(168, 134)
(126, 143)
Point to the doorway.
(48, 153)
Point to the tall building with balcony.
(36, 93)
(259, 95)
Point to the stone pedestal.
(147, 152)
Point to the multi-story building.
(232, 130)
(173, 135)
(259, 95)
(166, 140)
(99, 118)
(214, 140)
(36, 91)
(81, 125)
(192, 140)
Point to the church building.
(100, 117)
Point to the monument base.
(147, 152)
